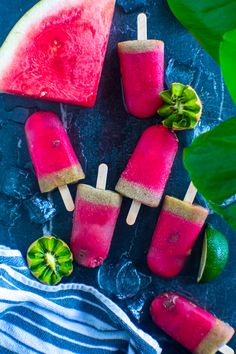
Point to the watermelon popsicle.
(95, 218)
(194, 328)
(176, 232)
(53, 157)
(142, 71)
(148, 169)
(56, 51)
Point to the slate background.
(108, 134)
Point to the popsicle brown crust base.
(61, 178)
(138, 192)
(141, 46)
(220, 334)
(185, 210)
(99, 196)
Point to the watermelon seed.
(56, 142)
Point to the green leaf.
(227, 61)
(211, 163)
(207, 20)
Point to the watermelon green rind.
(74, 81)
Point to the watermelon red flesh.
(60, 58)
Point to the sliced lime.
(182, 107)
(214, 256)
(203, 260)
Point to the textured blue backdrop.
(107, 134)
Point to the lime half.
(181, 107)
(214, 257)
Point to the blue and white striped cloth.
(63, 319)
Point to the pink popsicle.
(142, 71)
(194, 328)
(95, 218)
(176, 232)
(53, 157)
(149, 167)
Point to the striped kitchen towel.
(62, 319)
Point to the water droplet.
(43, 93)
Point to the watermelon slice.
(56, 51)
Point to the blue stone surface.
(130, 6)
(17, 183)
(106, 133)
(9, 210)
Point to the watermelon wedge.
(56, 51)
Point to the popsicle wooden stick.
(142, 27)
(226, 350)
(133, 212)
(102, 176)
(67, 198)
(191, 194)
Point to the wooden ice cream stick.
(142, 27)
(67, 198)
(226, 350)
(133, 212)
(102, 176)
(191, 194)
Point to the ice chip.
(40, 209)
(145, 280)
(17, 183)
(120, 278)
(127, 281)
(107, 277)
(138, 306)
